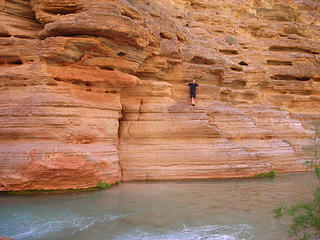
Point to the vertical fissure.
(119, 140)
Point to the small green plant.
(130, 1)
(102, 185)
(117, 182)
(271, 173)
(231, 40)
(305, 216)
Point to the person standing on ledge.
(193, 88)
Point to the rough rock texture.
(97, 90)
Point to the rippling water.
(189, 210)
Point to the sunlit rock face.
(97, 90)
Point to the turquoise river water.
(239, 209)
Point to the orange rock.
(91, 77)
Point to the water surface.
(238, 209)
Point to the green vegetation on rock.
(102, 185)
(231, 40)
(266, 174)
(130, 1)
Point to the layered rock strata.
(97, 91)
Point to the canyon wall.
(97, 90)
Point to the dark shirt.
(193, 87)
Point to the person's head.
(194, 81)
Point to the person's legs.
(193, 98)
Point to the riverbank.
(101, 185)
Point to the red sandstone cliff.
(96, 90)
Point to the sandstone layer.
(97, 90)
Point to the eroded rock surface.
(97, 90)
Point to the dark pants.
(192, 94)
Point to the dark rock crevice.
(279, 48)
(290, 77)
(279, 63)
(229, 51)
(202, 60)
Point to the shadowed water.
(238, 209)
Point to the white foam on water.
(208, 232)
(100, 220)
(23, 235)
(39, 228)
